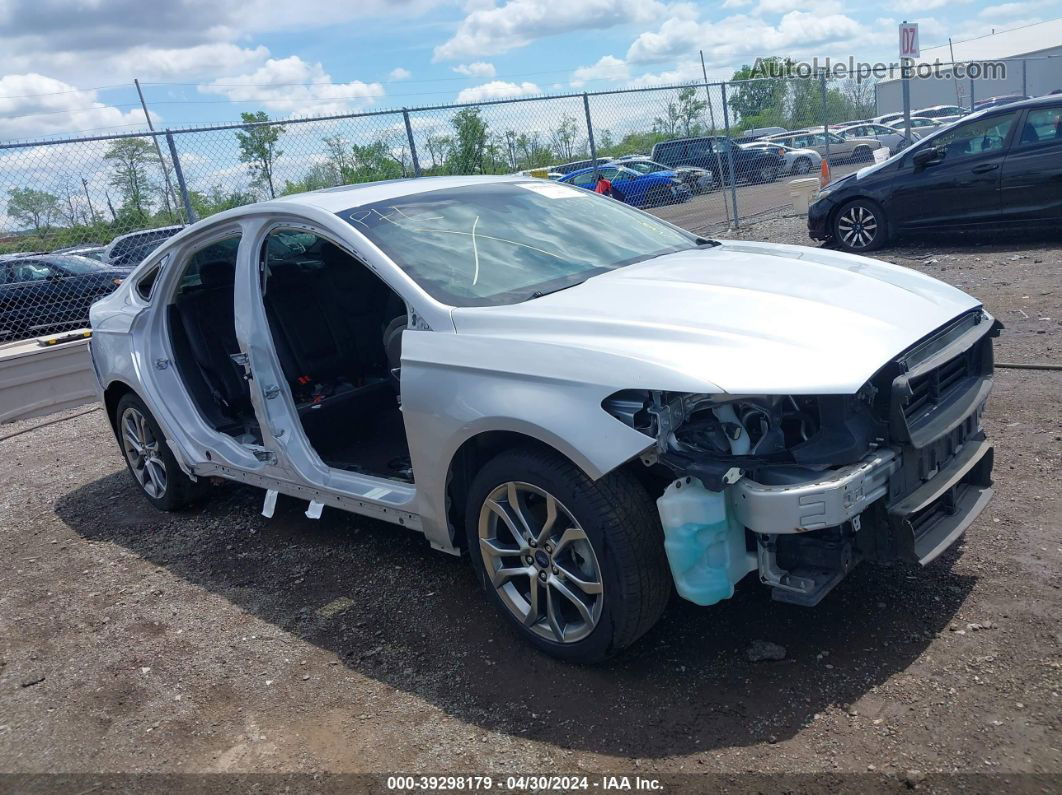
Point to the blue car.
(630, 187)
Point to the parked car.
(995, 102)
(130, 249)
(576, 165)
(594, 406)
(840, 149)
(91, 251)
(633, 187)
(42, 293)
(886, 118)
(889, 137)
(698, 180)
(996, 168)
(794, 161)
(920, 127)
(942, 114)
(714, 153)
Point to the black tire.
(178, 491)
(657, 197)
(802, 166)
(622, 526)
(861, 154)
(851, 226)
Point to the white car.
(942, 114)
(593, 405)
(794, 161)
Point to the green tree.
(258, 148)
(33, 208)
(668, 124)
(130, 159)
(470, 141)
(218, 199)
(762, 100)
(691, 111)
(565, 138)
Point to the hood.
(744, 318)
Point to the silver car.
(596, 407)
(889, 137)
(839, 147)
(794, 161)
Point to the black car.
(714, 153)
(129, 250)
(999, 168)
(50, 292)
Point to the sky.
(68, 65)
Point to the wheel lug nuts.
(548, 548)
(529, 560)
(532, 543)
(556, 570)
(542, 576)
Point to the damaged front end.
(802, 488)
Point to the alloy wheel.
(541, 562)
(857, 226)
(142, 452)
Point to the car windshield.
(78, 264)
(502, 243)
(644, 166)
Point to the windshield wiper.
(540, 293)
(703, 241)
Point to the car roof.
(344, 197)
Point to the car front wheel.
(860, 226)
(576, 566)
(802, 165)
(150, 460)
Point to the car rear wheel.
(802, 165)
(860, 226)
(150, 460)
(576, 566)
(767, 174)
(862, 154)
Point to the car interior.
(337, 331)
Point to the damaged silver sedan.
(595, 406)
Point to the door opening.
(202, 325)
(337, 330)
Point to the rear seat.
(207, 315)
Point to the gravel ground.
(217, 640)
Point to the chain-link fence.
(704, 156)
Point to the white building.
(1031, 54)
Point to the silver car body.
(840, 148)
(738, 318)
(892, 138)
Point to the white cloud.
(917, 6)
(740, 36)
(497, 89)
(497, 29)
(477, 69)
(291, 85)
(32, 105)
(398, 73)
(608, 67)
(1004, 10)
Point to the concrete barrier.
(40, 377)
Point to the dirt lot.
(222, 641)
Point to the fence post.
(825, 114)
(590, 134)
(1024, 78)
(189, 211)
(730, 157)
(412, 144)
(972, 97)
(158, 149)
